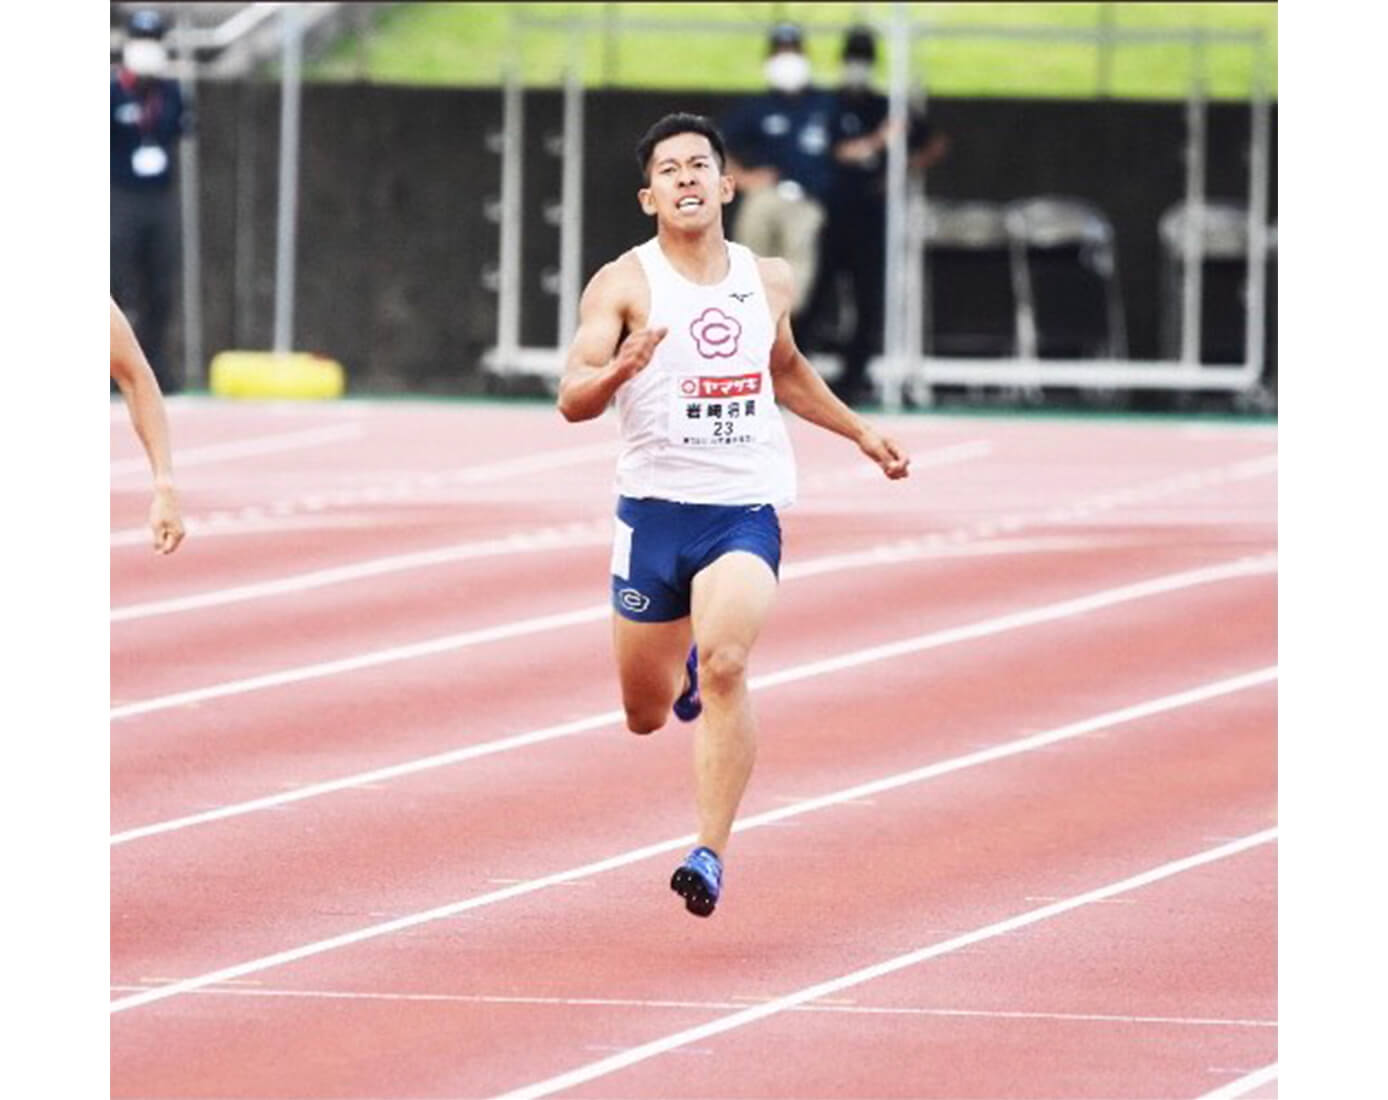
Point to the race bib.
(149, 160)
(719, 410)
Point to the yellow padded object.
(295, 374)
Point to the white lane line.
(211, 407)
(244, 448)
(949, 545)
(892, 553)
(352, 782)
(447, 643)
(574, 535)
(901, 550)
(400, 489)
(706, 1006)
(862, 790)
(587, 534)
(520, 627)
(925, 460)
(546, 538)
(917, 644)
(622, 1060)
(215, 527)
(1244, 1085)
(1108, 500)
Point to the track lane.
(212, 878)
(429, 442)
(440, 844)
(927, 861)
(147, 648)
(181, 760)
(1166, 992)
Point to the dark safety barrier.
(394, 240)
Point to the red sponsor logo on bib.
(728, 385)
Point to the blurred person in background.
(147, 120)
(778, 144)
(130, 370)
(691, 335)
(855, 234)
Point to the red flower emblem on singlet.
(715, 334)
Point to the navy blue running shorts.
(660, 544)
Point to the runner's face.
(687, 189)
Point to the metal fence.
(906, 369)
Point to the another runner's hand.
(165, 522)
(636, 351)
(887, 453)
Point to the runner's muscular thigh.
(731, 600)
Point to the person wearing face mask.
(147, 120)
(778, 144)
(854, 239)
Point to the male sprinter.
(691, 334)
(139, 387)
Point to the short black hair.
(860, 44)
(681, 122)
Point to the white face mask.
(787, 71)
(145, 57)
(857, 73)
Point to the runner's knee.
(722, 668)
(645, 719)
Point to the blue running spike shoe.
(689, 706)
(698, 880)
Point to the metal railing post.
(1024, 310)
(571, 191)
(191, 210)
(898, 214)
(290, 87)
(508, 264)
(1193, 258)
(1256, 287)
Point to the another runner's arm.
(592, 372)
(139, 387)
(133, 374)
(800, 389)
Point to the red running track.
(494, 914)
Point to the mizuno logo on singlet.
(742, 297)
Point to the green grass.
(468, 44)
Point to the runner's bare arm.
(800, 389)
(592, 372)
(139, 387)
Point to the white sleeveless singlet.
(700, 424)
